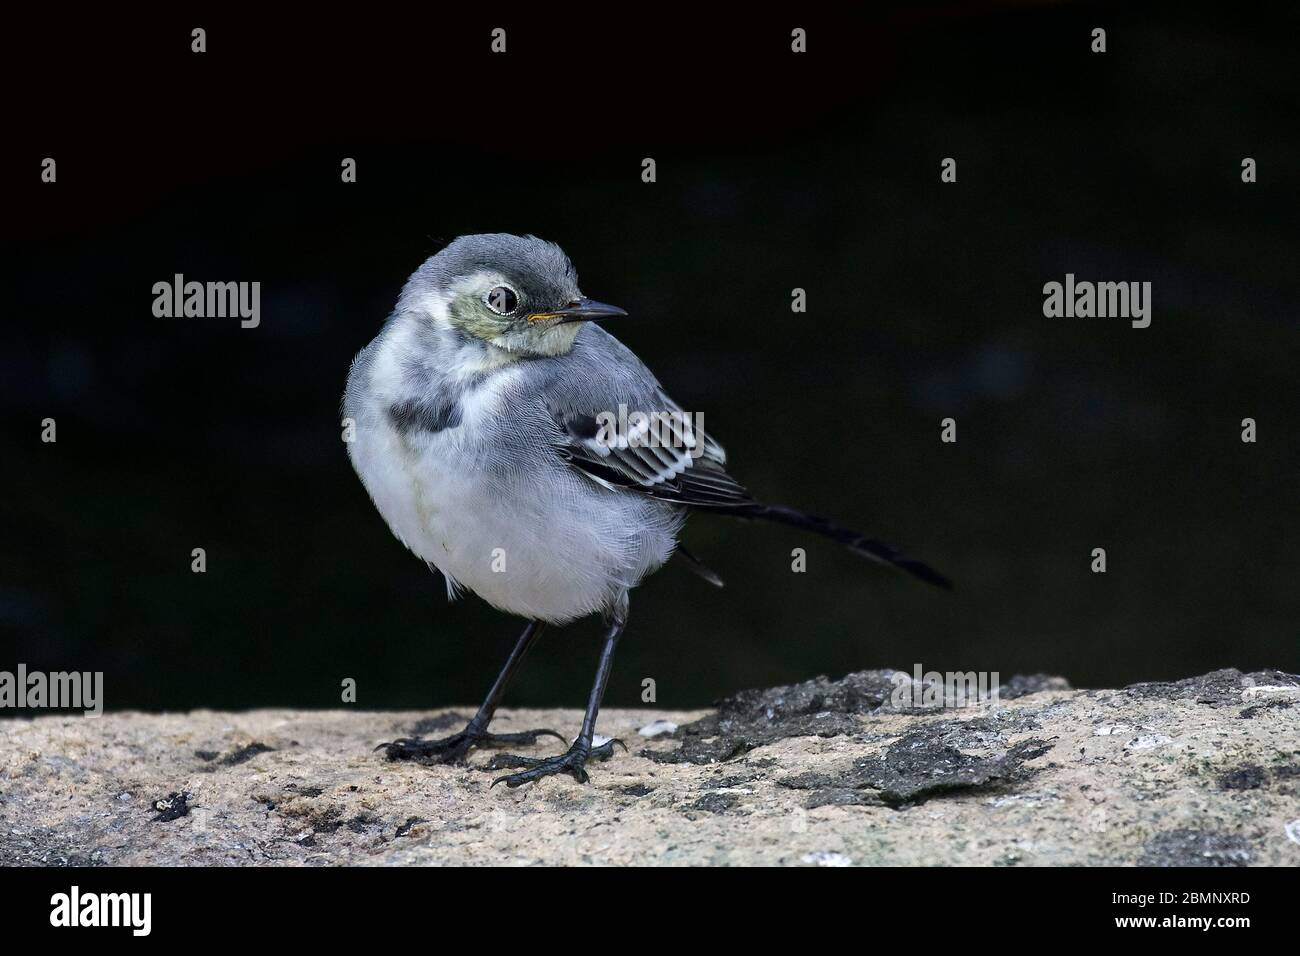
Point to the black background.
(819, 171)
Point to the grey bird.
(529, 456)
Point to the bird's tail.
(867, 547)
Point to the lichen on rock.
(1201, 772)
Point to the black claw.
(400, 742)
(606, 750)
(454, 749)
(417, 748)
(571, 762)
(524, 737)
(510, 761)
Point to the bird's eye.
(502, 300)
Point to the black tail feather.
(697, 566)
(867, 547)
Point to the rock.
(658, 727)
(1203, 772)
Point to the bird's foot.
(454, 749)
(571, 762)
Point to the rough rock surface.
(1197, 772)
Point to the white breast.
(501, 514)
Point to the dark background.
(774, 171)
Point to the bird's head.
(517, 293)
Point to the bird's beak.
(584, 310)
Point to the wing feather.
(675, 462)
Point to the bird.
(495, 428)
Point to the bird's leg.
(454, 748)
(573, 760)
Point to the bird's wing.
(619, 427)
(662, 455)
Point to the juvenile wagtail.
(485, 433)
